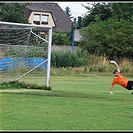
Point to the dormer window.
(44, 19)
(37, 19)
(40, 19)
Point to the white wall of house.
(77, 36)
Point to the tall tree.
(68, 11)
(13, 12)
(98, 10)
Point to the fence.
(11, 63)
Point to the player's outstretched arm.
(117, 66)
(111, 89)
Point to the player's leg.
(130, 86)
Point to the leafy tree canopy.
(122, 11)
(111, 38)
(13, 12)
(98, 10)
(104, 11)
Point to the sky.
(76, 8)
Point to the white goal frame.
(49, 44)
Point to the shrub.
(61, 38)
(68, 59)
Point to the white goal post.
(48, 41)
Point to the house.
(50, 14)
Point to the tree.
(122, 11)
(100, 10)
(79, 22)
(68, 12)
(13, 12)
(111, 38)
(104, 11)
(61, 38)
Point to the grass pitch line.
(20, 90)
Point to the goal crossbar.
(25, 25)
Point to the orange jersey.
(120, 80)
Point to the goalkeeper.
(120, 80)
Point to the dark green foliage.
(68, 11)
(103, 11)
(122, 11)
(13, 12)
(68, 59)
(19, 85)
(100, 10)
(61, 38)
(8, 85)
(109, 29)
(110, 38)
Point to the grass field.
(80, 103)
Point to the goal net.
(25, 53)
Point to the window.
(40, 19)
(36, 18)
(44, 19)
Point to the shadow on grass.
(61, 93)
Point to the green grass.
(74, 103)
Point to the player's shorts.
(130, 85)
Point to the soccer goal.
(25, 51)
